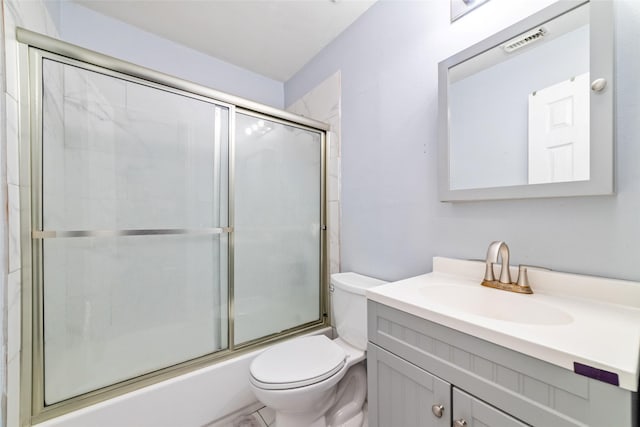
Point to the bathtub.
(191, 400)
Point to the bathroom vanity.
(444, 351)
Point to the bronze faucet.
(499, 248)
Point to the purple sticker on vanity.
(596, 374)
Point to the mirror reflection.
(519, 112)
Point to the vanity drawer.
(532, 390)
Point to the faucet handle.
(523, 279)
(522, 284)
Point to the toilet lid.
(297, 363)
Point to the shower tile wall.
(34, 16)
(323, 103)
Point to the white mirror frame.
(601, 51)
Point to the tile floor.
(266, 417)
(263, 417)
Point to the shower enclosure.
(168, 225)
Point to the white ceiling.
(274, 38)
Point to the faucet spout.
(498, 248)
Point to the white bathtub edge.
(193, 399)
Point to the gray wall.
(392, 222)
(84, 27)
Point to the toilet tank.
(349, 305)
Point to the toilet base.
(291, 420)
(350, 399)
(356, 421)
(312, 416)
(343, 406)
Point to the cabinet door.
(468, 411)
(403, 395)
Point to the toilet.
(313, 381)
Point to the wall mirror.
(528, 112)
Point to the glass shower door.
(134, 250)
(277, 227)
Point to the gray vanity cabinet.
(413, 364)
(472, 412)
(403, 395)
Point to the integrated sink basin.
(495, 304)
(570, 320)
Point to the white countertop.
(590, 320)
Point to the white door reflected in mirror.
(559, 132)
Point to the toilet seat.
(297, 363)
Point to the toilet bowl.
(314, 381)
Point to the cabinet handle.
(598, 85)
(437, 410)
(460, 423)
